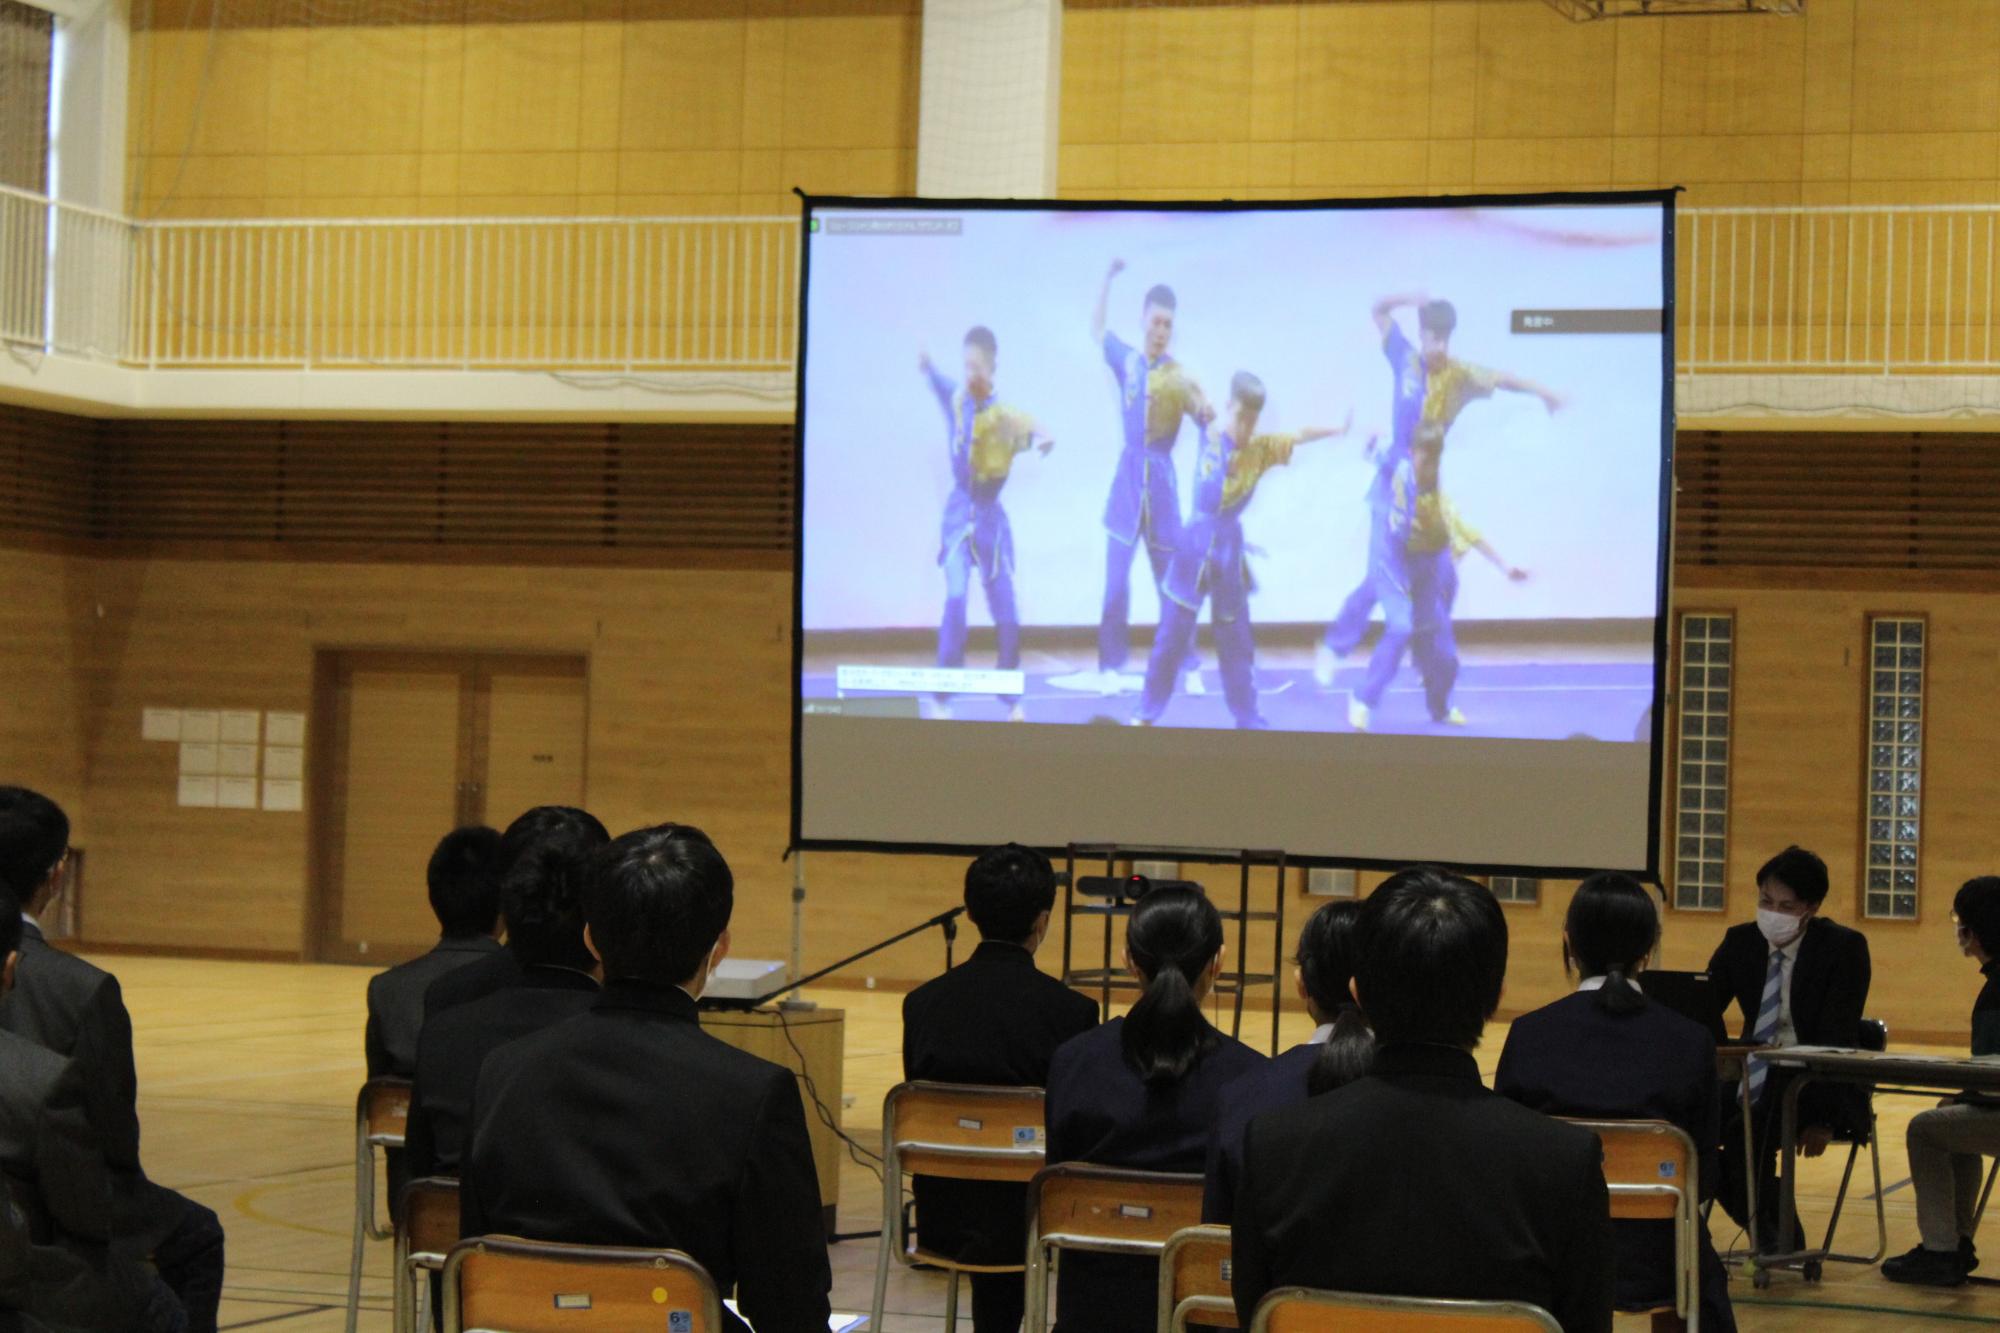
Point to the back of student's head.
(1977, 907)
(464, 883)
(1800, 871)
(1326, 969)
(1611, 928)
(1173, 935)
(34, 834)
(657, 900)
(1006, 891)
(541, 893)
(1431, 958)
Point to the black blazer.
(1414, 1180)
(1280, 1081)
(629, 1125)
(76, 1010)
(497, 970)
(1100, 1111)
(995, 1019)
(60, 1268)
(456, 1043)
(396, 1002)
(1574, 1058)
(1830, 979)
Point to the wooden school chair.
(1651, 1169)
(426, 1229)
(1104, 1209)
(523, 1286)
(1194, 1280)
(1301, 1310)
(381, 1113)
(952, 1131)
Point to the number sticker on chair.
(1138, 1211)
(572, 1300)
(680, 1321)
(1027, 1136)
(1668, 1170)
(967, 1122)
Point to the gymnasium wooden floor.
(247, 1076)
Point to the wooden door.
(420, 744)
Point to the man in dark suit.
(76, 1010)
(1414, 1180)
(57, 1266)
(994, 1019)
(629, 1125)
(465, 897)
(541, 896)
(1799, 980)
(501, 969)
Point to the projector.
(744, 981)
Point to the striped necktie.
(1766, 1030)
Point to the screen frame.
(1665, 199)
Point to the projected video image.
(1319, 470)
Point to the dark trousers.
(999, 1300)
(189, 1261)
(1733, 1194)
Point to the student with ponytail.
(1606, 1052)
(1143, 1091)
(1339, 1051)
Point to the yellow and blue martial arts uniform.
(984, 439)
(1430, 534)
(1209, 563)
(1153, 395)
(1422, 400)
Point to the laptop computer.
(1695, 996)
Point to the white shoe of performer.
(1359, 714)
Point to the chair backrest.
(963, 1131)
(382, 1111)
(429, 1220)
(1300, 1310)
(1194, 1280)
(1075, 1205)
(1649, 1166)
(1874, 1035)
(499, 1282)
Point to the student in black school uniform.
(1414, 1180)
(542, 896)
(465, 898)
(1799, 980)
(1339, 1051)
(1947, 1142)
(1608, 1053)
(1143, 1091)
(994, 1019)
(629, 1125)
(501, 969)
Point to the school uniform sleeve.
(1707, 1122)
(784, 1281)
(104, 1055)
(374, 1048)
(1585, 1305)
(69, 1163)
(1250, 1266)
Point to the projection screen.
(1339, 528)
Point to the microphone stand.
(946, 922)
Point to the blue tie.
(1766, 1029)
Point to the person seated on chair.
(1338, 1052)
(541, 896)
(1414, 1180)
(76, 1009)
(465, 898)
(1143, 1091)
(501, 968)
(994, 1019)
(1799, 980)
(57, 1265)
(1946, 1143)
(629, 1125)
(1608, 1053)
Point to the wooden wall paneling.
(530, 742)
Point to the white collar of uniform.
(1590, 983)
(30, 920)
(1321, 1035)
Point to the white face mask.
(1779, 928)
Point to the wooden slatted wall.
(1828, 500)
(46, 466)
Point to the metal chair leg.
(951, 1302)
(1985, 1194)
(364, 1221)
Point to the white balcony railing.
(1847, 291)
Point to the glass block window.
(1701, 750)
(1515, 888)
(1895, 765)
